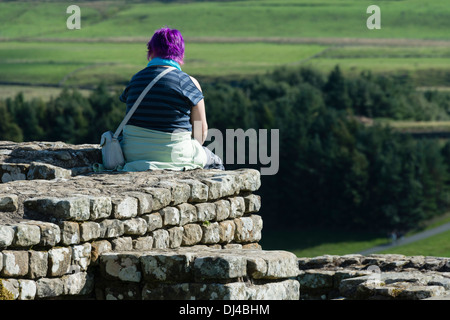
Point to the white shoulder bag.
(112, 155)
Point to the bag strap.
(138, 101)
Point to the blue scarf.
(163, 62)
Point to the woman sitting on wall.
(169, 127)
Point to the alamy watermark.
(74, 20)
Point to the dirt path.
(418, 236)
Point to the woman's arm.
(198, 118)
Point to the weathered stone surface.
(80, 283)
(38, 264)
(122, 244)
(223, 209)
(70, 232)
(72, 208)
(188, 213)
(15, 263)
(154, 221)
(98, 248)
(192, 234)
(81, 255)
(227, 230)
(59, 260)
(124, 267)
(145, 202)
(170, 215)
(180, 192)
(99, 207)
(237, 207)
(211, 233)
(166, 266)
(160, 239)
(9, 289)
(44, 171)
(135, 226)
(206, 211)
(198, 192)
(111, 228)
(49, 287)
(6, 236)
(26, 235)
(8, 202)
(248, 229)
(220, 267)
(27, 289)
(124, 208)
(13, 171)
(143, 243)
(252, 203)
(161, 197)
(89, 231)
(50, 233)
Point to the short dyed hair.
(166, 43)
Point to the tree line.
(334, 170)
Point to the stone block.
(192, 234)
(188, 213)
(49, 287)
(81, 255)
(72, 208)
(100, 207)
(237, 207)
(26, 235)
(70, 232)
(111, 228)
(98, 248)
(227, 230)
(206, 211)
(123, 267)
(170, 216)
(135, 226)
(28, 289)
(145, 202)
(50, 233)
(6, 236)
(89, 231)
(9, 289)
(59, 261)
(160, 239)
(248, 229)
(219, 267)
(15, 263)
(38, 264)
(198, 192)
(223, 209)
(154, 221)
(9, 203)
(143, 243)
(47, 172)
(124, 208)
(161, 197)
(80, 283)
(180, 192)
(122, 244)
(175, 237)
(211, 233)
(252, 203)
(166, 267)
(13, 171)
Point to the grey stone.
(192, 234)
(89, 230)
(161, 197)
(79, 283)
(13, 171)
(111, 228)
(15, 263)
(198, 192)
(38, 264)
(252, 203)
(180, 192)
(9, 203)
(72, 208)
(49, 287)
(188, 213)
(227, 230)
(70, 232)
(6, 236)
(166, 266)
(28, 289)
(206, 211)
(59, 260)
(26, 235)
(145, 202)
(124, 267)
(47, 172)
(175, 237)
(237, 207)
(81, 255)
(98, 248)
(248, 229)
(219, 267)
(160, 239)
(143, 243)
(135, 226)
(50, 233)
(124, 208)
(154, 221)
(211, 233)
(100, 207)
(122, 244)
(223, 209)
(170, 215)
(9, 289)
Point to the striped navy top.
(167, 106)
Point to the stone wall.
(64, 228)
(67, 232)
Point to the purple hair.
(166, 43)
